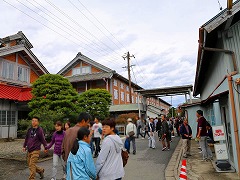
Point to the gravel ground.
(13, 150)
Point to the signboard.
(221, 151)
(218, 133)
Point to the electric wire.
(64, 23)
(92, 23)
(102, 25)
(52, 28)
(70, 18)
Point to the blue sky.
(163, 35)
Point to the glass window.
(23, 74)
(122, 86)
(115, 94)
(86, 70)
(127, 88)
(115, 82)
(132, 99)
(7, 70)
(122, 96)
(7, 117)
(128, 98)
(136, 99)
(76, 71)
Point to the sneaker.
(153, 147)
(173, 136)
(200, 152)
(41, 174)
(168, 149)
(134, 152)
(52, 179)
(184, 156)
(143, 138)
(163, 149)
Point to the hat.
(129, 119)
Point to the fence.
(121, 129)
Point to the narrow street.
(146, 164)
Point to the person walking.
(166, 135)
(32, 145)
(159, 129)
(145, 123)
(186, 133)
(131, 132)
(202, 136)
(97, 134)
(57, 139)
(80, 164)
(151, 130)
(71, 134)
(109, 164)
(139, 127)
(176, 125)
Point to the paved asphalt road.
(147, 164)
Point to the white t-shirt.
(95, 128)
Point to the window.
(136, 99)
(115, 94)
(127, 88)
(132, 90)
(76, 71)
(7, 117)
(7, 70)
(122, 96)
(132, 99)
(115, 82)
(86, 70)
(128, 98)
(122, 86)
(23, 74)
(83, 70)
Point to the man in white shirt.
(97, 134)
(131, 132)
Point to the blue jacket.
(183, 131)
(82, 163)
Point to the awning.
(15, 93)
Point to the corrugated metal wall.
(233, 43)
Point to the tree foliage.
(122, 118)
(54, 98)
(96, 102)
(172, 111)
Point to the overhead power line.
(102, 25)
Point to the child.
(57, 139)
(109, 163)
(80, 164)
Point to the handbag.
(131, 133)
(127, 144)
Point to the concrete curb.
(172, 169)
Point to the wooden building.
(19, 68)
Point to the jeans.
(133, 143)
(92, 146)
(146, 132)
(151, 140)
(163, 142)
(56, 160)
(97, 145)
(186, 145)
(206, 151)
(139, 132)
(32, 158)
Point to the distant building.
(84, 74)
(19, 68)
(217, 78)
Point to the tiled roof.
(15, 93)
(88, 77)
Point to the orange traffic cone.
(183, 171)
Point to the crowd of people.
(74, 146)
(74, 151)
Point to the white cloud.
(163, 35)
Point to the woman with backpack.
(109, 164)
(80, 164)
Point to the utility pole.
(128, 57)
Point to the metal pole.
(139, 111)
(129, 77)
(172, 106)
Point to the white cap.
(129, 119)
